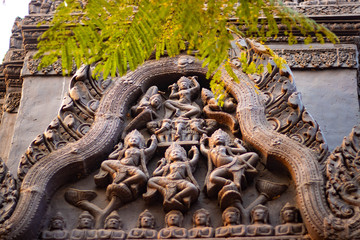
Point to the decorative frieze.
(320, 58)
(325, 10)
(15, 55)
(31, 67)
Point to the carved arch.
(82, 156)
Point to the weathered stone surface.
(42, 97)
(331, 98)
(6, 134)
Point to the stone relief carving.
(320, 58)
(180, 100)
(33, 64)
(227, 166)
(33, 20)
(350, 9)
(342, 171)
(14, 55)
(145, 227)
(57, 229)
(123, 177)
(73, 121)
(8, 193)
(43, 6)
(112, 228)
(12, 102)
(284, 108)
(128, 172)
(108, 128)
(232, 227)
(290, 222)
(222, 115)
(34, 6)
(173, 229)
(174, 180)
(201, 225)
(85, 227)
(259, 222)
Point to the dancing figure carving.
(180, 100)
(173, 178)
(227, 166)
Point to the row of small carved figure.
(201, 226)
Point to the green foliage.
(122, 34)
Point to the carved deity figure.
(146, 110)
(173, 229)
(145, 227)
(180, 99)
(231, 164)
(290, 224)
(128, 171)
(56, 229)
(259, 222)
(201, 225)
(85, 230)
(112, 228)
(232, 226)
(173, 178)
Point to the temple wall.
(326, 75)
(40, 102)
(331, 98)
